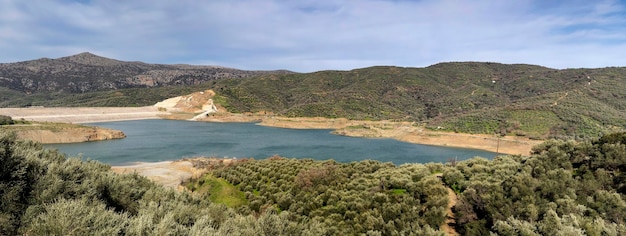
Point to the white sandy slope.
(82, 114)
(169, 103)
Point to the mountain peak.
(86, 54)
(87, 58)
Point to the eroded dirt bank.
(55, 124)
(69, 134)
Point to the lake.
(165, 140)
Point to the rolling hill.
(468, 97)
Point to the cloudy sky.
(312, 35)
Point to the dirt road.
(82, 114)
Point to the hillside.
(467, 97)
(86, 72)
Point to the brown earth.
(172, 173)
(449, 224)
(74, 134)
(166, 173)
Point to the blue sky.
(312, 35)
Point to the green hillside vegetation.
(564, 188)
(348, 198)
(468, 97)
(462, 97)
(218, 191)
(44, 193)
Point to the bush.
(6, 120)
(564, 187)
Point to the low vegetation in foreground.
(563, 188)
(44, 193)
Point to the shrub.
(6, 120)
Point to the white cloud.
(318, 35)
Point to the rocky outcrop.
(70, 135)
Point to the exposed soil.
(166, 173)
(193, 103)
(69, 134)
(449, 224)
(173, 173)
(62, 131)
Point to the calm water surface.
(162, 140)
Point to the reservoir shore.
(400, 130)
(173, 173)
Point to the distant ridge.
(87, 72)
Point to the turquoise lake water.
(163, 140)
